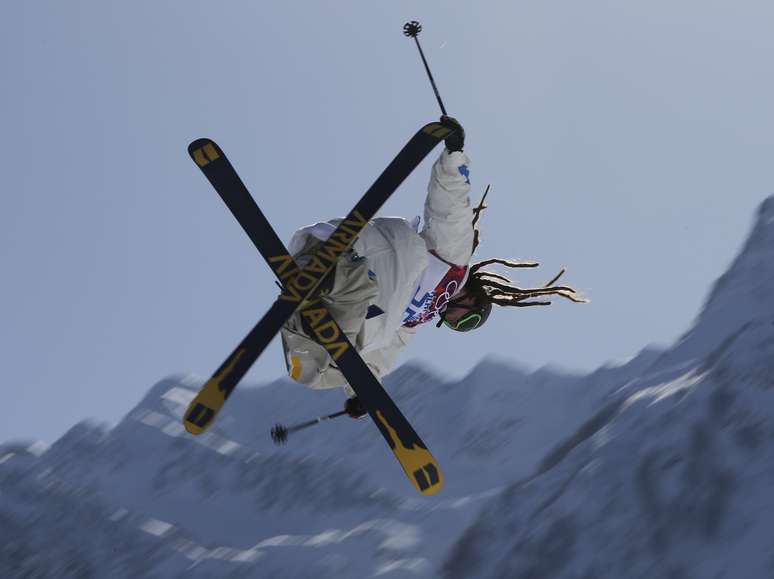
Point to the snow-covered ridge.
(673, 477)
(232, 498)
(742, 294)
(659, 467)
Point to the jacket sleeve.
(448, 229)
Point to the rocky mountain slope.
(656, 468)
(673, 478)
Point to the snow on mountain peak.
(751, 275)
(745, 292)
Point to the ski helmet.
(475, 317)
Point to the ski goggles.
(466, 323)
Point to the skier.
(397, 277)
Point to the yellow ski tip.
(197, 417)
(203, 409)
(418, 463)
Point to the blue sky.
(630, 142)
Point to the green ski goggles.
(465, 323)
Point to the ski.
(420, 466)
(298, 286)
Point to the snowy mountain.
(656, 468)
(673, 477)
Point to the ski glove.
(354, 407)
(455, 141)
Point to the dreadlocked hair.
(490, 287)
(476, 216)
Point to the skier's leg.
(347, 296)
(353, 290)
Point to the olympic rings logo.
(443, 299)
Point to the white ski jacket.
(411, 274)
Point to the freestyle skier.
(354, 290)
(303, 287)
(397, 277)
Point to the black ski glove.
(455, 141)
(354, 407)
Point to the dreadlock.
(494, 288)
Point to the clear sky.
(628, 141)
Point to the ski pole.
(412, 30)
(279, 434)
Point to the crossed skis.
(298, 293)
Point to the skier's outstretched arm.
(448, 229)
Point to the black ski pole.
(279, 434)
(412, 30)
